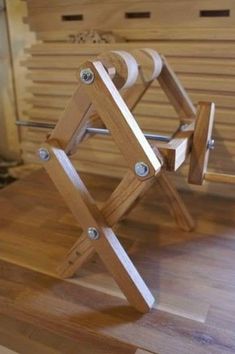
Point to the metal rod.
(100, 131)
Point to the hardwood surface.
(191, 274)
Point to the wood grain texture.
(84, 209)
(192, 273)
(118, 119)
(176, 204)
(220, 177)
(116, 206)
(202, 135)
(27, 338)
(175, 92)
(9, 140)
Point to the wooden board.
(192, 274)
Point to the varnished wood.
(122, 125)
(219, 177)
(201, 138)
(125, 195)
(120, 201)
(84, 209)
(193, 276)
(176, 204)
(175, 92)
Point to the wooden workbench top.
(191, 274)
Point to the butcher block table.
(192, 275)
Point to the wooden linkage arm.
(119, 120)
(175, 92)
(201, 142)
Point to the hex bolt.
(87, 76)
(211, 144)
(93, 233)
(141, 169)
(43, 154)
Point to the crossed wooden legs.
(83, 207)
(116, 115)
(86, 212)
(118, 204)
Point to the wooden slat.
(93, 16)
(183, 49)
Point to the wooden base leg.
(81, 252)
(175, 203)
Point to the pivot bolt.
(211, 144)
(141, 169)
(183, 126)
(93, 233)
(44, 154)
(87, 76)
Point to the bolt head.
(87, 76)
(93, 233)
(141, 169)
(183, 126)
(43, 154)
(211, 144)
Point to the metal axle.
(99, 131)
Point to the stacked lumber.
(197, 37)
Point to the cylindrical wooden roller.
(149, 62)
(141, 65)
(125, 65)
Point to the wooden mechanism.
(109, 88)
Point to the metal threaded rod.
(99, 131)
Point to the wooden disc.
(149, 62)
(126, 67)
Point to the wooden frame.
(109, 88)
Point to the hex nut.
(87, 76)
(43, 154)
(93, 233)
(141, 169)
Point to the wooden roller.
(141, 65)
(124, 65)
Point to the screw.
(93, 233)
(211, 144)
(183, 126)
(87, 76)
(141, 169)
(44, 154)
